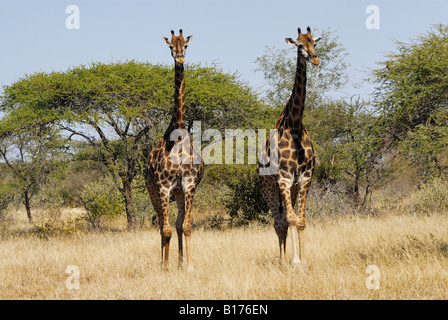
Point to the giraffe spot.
(285, 175)
(309, 153)
(283, 185)
(294, 157)
(306, 141)
(185, 166)
(292, 164)
(283, 144)
(283, 165)
(286, 153)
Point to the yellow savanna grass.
(411, 253)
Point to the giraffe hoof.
(164, 267)
(296, 262)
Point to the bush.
(101, 198)
(7, 194)
(143, 208)
(6, 198)
(432, 197)
(246, 202)
(330, 200)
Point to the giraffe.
(294, 157)
(175, 165)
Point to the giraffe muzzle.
(315, 61)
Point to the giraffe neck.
(178, 119)
(293, 111)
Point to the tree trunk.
(356, 191)
(368, 192)
(129, 205)
(26, 202)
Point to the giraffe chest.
(173, 171)
(296, 156)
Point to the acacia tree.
(30, 153)
(122, 109)
(412, 99)
(348, 142)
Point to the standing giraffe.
(294, 157)
(175, 166)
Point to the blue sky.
(232, 33)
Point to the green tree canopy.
(347, 139)
(412, 99)
(30, 153)
(122, 109)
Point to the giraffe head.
(178, 45)
(305, 43)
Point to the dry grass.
(411, 253)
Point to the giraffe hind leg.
(157, 204)
(180, 200)
(291, 218)
(271, 194)
(186, 226)
(282, 233)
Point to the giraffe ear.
(166, 41)
(189, 39)
(317, 39)
(291, 41)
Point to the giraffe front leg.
(294, 192)
(165, 228)
(301, 222)
(291, 218)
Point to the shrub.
(246, 202)
(143, 208)
(329, 200)
(101, 198)
(6, 197)
(432, 197)
(7, 192)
